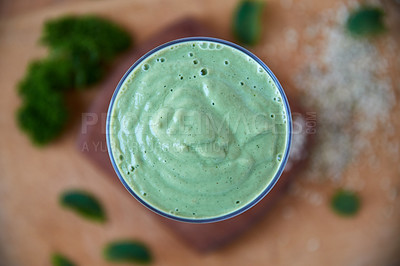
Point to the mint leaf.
(345, 202)
(247, 21)
(366, 21)
(60, 260)
(127, 251)
(84, 204)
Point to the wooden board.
(295, 232)
(203, 237)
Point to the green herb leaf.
(80, 49)
(60, 260)
(127, 251)
(43, 113)
(97, 38)
(83, 204)
(87, 42)
(345, 203)
(366, 21)
(53, 73)
(247, 21)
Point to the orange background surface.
(296, 232)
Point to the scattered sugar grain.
(313, 244)
(351, 101)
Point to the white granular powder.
(298, 142)
(312, 244)
(346, 81)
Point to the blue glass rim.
(273, 181)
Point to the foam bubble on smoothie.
(203, 72)
(146, 67)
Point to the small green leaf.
(366, 21)
(60, 260)
(83, 203)
(127, 251)
(345, 202)
(247, 21)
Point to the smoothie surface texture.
(198, 129)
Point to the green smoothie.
(198, 129)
